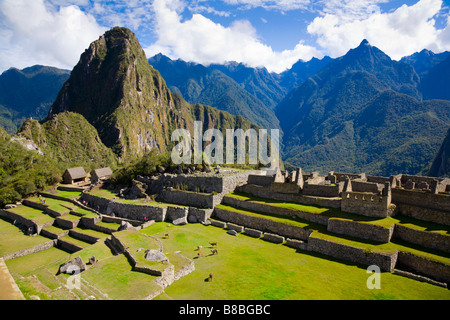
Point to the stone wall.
(261, 223)
(51, 235)
(260, 180)
(207, 183)
(385, 261)
(83, 237)
(287, 187)
(187, 268)
(375, 179)
(25, 252)
(264, 192)
(360, 230)
(267, 208)
(13, 216)
(65, 245)
(273, 238)
(423, 238)
(66, 224)
(189, 198)
(421, 199)
(370, 205)
(199, 215)
(430, 268)
(128, 211)
(340, 176)
(322, 190)
(362, 186)
(425, 214)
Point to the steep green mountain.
(436, 84)
(22, 171)
(362, 112)
(69, 139)
(126, 100)
(441, 164)
(425, 60)
(208, 85)
(40, 153)
(256, 81)
(28, 93)
(300, 71)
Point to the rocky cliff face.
(441, 163)
(114, 87)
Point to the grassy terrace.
(12, 239)
(108, 194)
(245, 268)
(70, 217)
(92, 233)
(74, 241)
(337, 213)
(38, 216)
(320, 231)
(60, 206)
(62, 193)
(55, 230)
(249, 268)
(85, 213)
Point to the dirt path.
(9, 290)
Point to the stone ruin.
(359, 193)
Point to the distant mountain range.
(360, 112)
(28, 93)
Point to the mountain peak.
(364, 43)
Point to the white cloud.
(203, 41)
(402, 32)
(279, 5)
(32, 32)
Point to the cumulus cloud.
(32, 32)
(402, 32)
(280, 5)
(201, 40)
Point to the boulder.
(73, 266)
(232, 232)
(137, 190)
(178, 215)
(180, 221)
(124, 225)
(155, 256)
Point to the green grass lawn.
(12, 239)
(319, 231)
(38, 216)
(85, 213)
(249, 268)
(55, 204)
(62, 193)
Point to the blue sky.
(273, 34)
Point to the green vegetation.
(248, 268)
(320, 231)
(23, 172)
(362, 112)
(12, 239)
